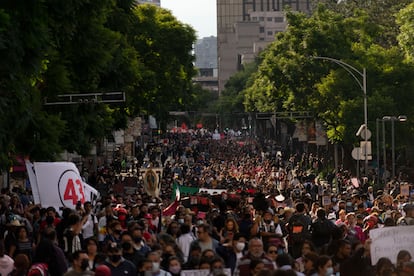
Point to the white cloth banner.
(203, 272)
(388, 241)
(33, 182)
(59, 184)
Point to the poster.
(388, 241)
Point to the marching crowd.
(277, 217)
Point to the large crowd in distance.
(271, 214)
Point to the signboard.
(58, 184)
(326, 200)
(405, 189)
(388, 241)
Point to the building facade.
(205, 51)
(246, 27)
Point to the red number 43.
(71, 192)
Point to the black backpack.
(298, 229)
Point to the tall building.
(205, 51)
(245, 27)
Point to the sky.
(200, 14)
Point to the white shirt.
(184, 241)
(87, 228)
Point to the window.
(261, 30)
(279, 19)
(261, 18)
(270, 19)
(269, 33)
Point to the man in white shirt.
(89, 222)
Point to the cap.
(280, 198)
(270, 211)
(102, 270)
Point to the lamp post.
(401, 118)
(354, 72)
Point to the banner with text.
(58, 184)
(388, 241)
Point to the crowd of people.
(277, 216)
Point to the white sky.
(200, 14)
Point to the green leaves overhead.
(289, 79)
(49, 48)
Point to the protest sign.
(203, 272)
(388, 241)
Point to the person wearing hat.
(118, 265)
(408, 218)
(267, 227)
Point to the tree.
(288, 79)
(406, 34)
(165, 46)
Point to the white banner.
(33, 182)
(203, 272)
(388, 241)
(59, 184)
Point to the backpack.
(38, 269)
(298, 229)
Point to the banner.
(151, 178)
(193, 190)
(203, 272)
(388, 241)
(59, 184)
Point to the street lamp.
(354, 72)
(401, 118)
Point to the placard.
(388, 241)
(326, 200)
(405, 190)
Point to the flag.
(58, 184)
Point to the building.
(155, 2)
(245, 27)
(205, 51)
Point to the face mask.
(137, 240)
(181, 221)
(155, 267)
(175, 269)
(267, 221)
(349, 204)
(118, 232)
(84, 264)
(126, 246)
(49, 220)
(329, 271)
(115, 258)
(240, 246)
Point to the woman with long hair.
(227, 232)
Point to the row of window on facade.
(269, 19)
